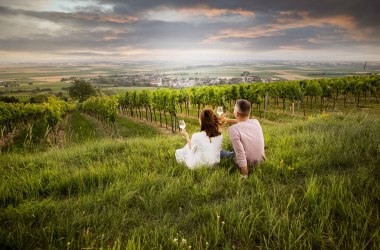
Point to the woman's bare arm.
(186, 135)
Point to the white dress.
(202, 152)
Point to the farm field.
(29, 77)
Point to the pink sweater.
(248, 142)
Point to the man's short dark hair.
(243, 107)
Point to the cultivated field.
(28, 77)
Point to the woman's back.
(203, 152)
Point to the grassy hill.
(319, 188)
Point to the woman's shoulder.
(217, 138)
(199, 134)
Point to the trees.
(81, 90)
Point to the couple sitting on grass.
(205, 147)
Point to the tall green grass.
(319, 188)
(79, 129)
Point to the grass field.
(318, 189)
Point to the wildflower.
(206, 243)
(175, 240)
(183, 241)
(218, 217)
(222, 222)
(189, 247)
(68, 243)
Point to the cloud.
(365, 12)
(92, 28)
(25, 4)
(345, 27)
(97, 16)
(212, 12)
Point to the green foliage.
(55, 110)
(39, 98)
(16, 115)
(104, 108)
(168, 100)
(81, 90)
(313, 88)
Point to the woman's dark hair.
(210, 123)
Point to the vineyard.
(304, 97)
(115, 183)
(16, 117)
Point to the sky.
(183, 30)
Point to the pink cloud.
(212, 12)
(296, 20)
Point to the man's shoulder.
(254, 121)
(233, 128)
(236, 127)
(244, 123)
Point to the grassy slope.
(319, 188)
(80, 129)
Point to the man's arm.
(241, 158)
(230, 121)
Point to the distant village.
(176, 80)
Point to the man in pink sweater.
(246, 136)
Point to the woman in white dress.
(204, 147)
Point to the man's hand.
(244, 170)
